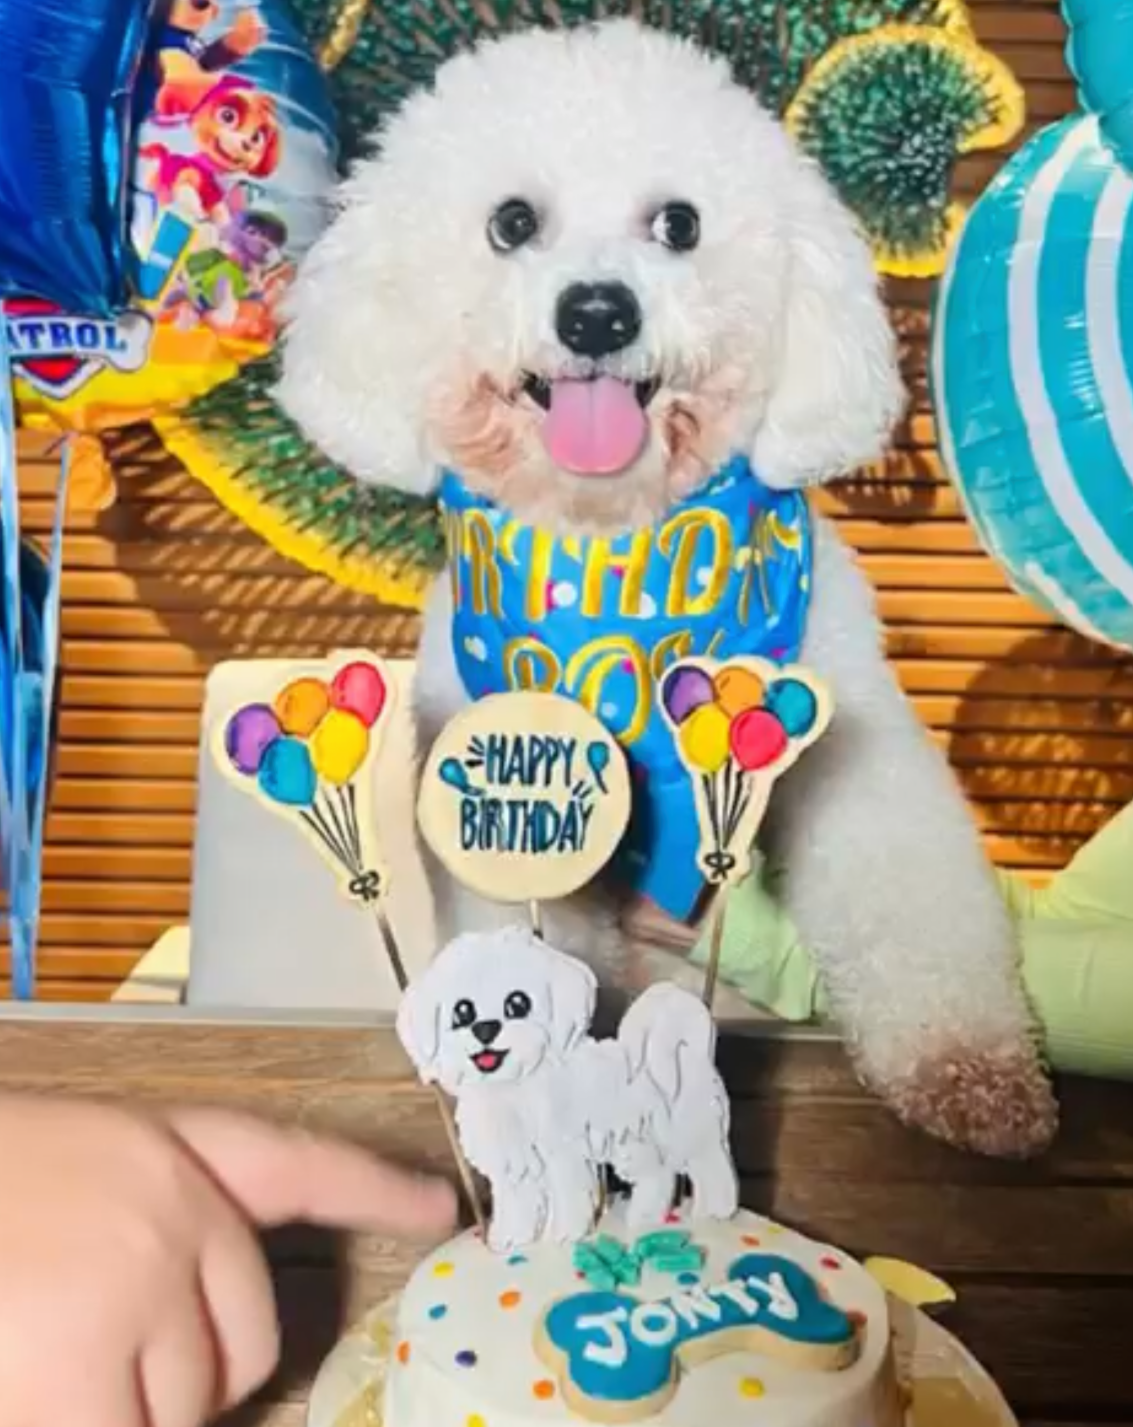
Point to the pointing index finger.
(279, 1176)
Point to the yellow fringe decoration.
(930, 262)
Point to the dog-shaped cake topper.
(501, 1021)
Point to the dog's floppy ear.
(419, 1024)
(354, 358)
(839, 390)
(571, 989)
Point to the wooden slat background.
(166, 583)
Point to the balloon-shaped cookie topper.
(738, 726)
(303, 750)
(524, 797)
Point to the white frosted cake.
(704, 1324)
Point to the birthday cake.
(668, 1305)
(703, 1321)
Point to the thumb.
(278, 1176)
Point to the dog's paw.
(994, 1102)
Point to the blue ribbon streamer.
(27, 695)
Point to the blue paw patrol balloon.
(67, 74)
(234, 160)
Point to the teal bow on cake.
(608, 1264)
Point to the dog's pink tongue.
(594, 428)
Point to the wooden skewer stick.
(536, 914)
(389, 942)
(463, 1168)
(715, 945)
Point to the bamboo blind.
(166, 583)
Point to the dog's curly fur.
(409, 342)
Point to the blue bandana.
(726, 573)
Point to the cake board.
(948, 1387)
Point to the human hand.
(133, 1291)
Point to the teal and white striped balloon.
(1032, 374)
(1099, 52)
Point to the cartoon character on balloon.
(232, 156)
(305, 753)
(738, 726)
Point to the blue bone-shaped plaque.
(617, 1356)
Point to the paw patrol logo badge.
(57, 354)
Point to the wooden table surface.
(1040, 1255)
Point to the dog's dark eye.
(463, 1014)
(517, 1006)
(677, 226)
(513, 224)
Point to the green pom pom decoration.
(884, 93)
(887, 116)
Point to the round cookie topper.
(524, 797)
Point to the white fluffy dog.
(437, 325)
(500, 1020)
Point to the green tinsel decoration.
(883, 150)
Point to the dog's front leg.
(520, 1212)
(573, 1191)
(887, 881)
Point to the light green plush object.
(1076, 936)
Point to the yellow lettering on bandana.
(529, 664)
(679, 538)
(537, 579)
(454, 550)
(633, 567)
(588, 669)
(668, 649)
(484, 574)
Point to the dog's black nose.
(486, 1031)
(595, 319)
